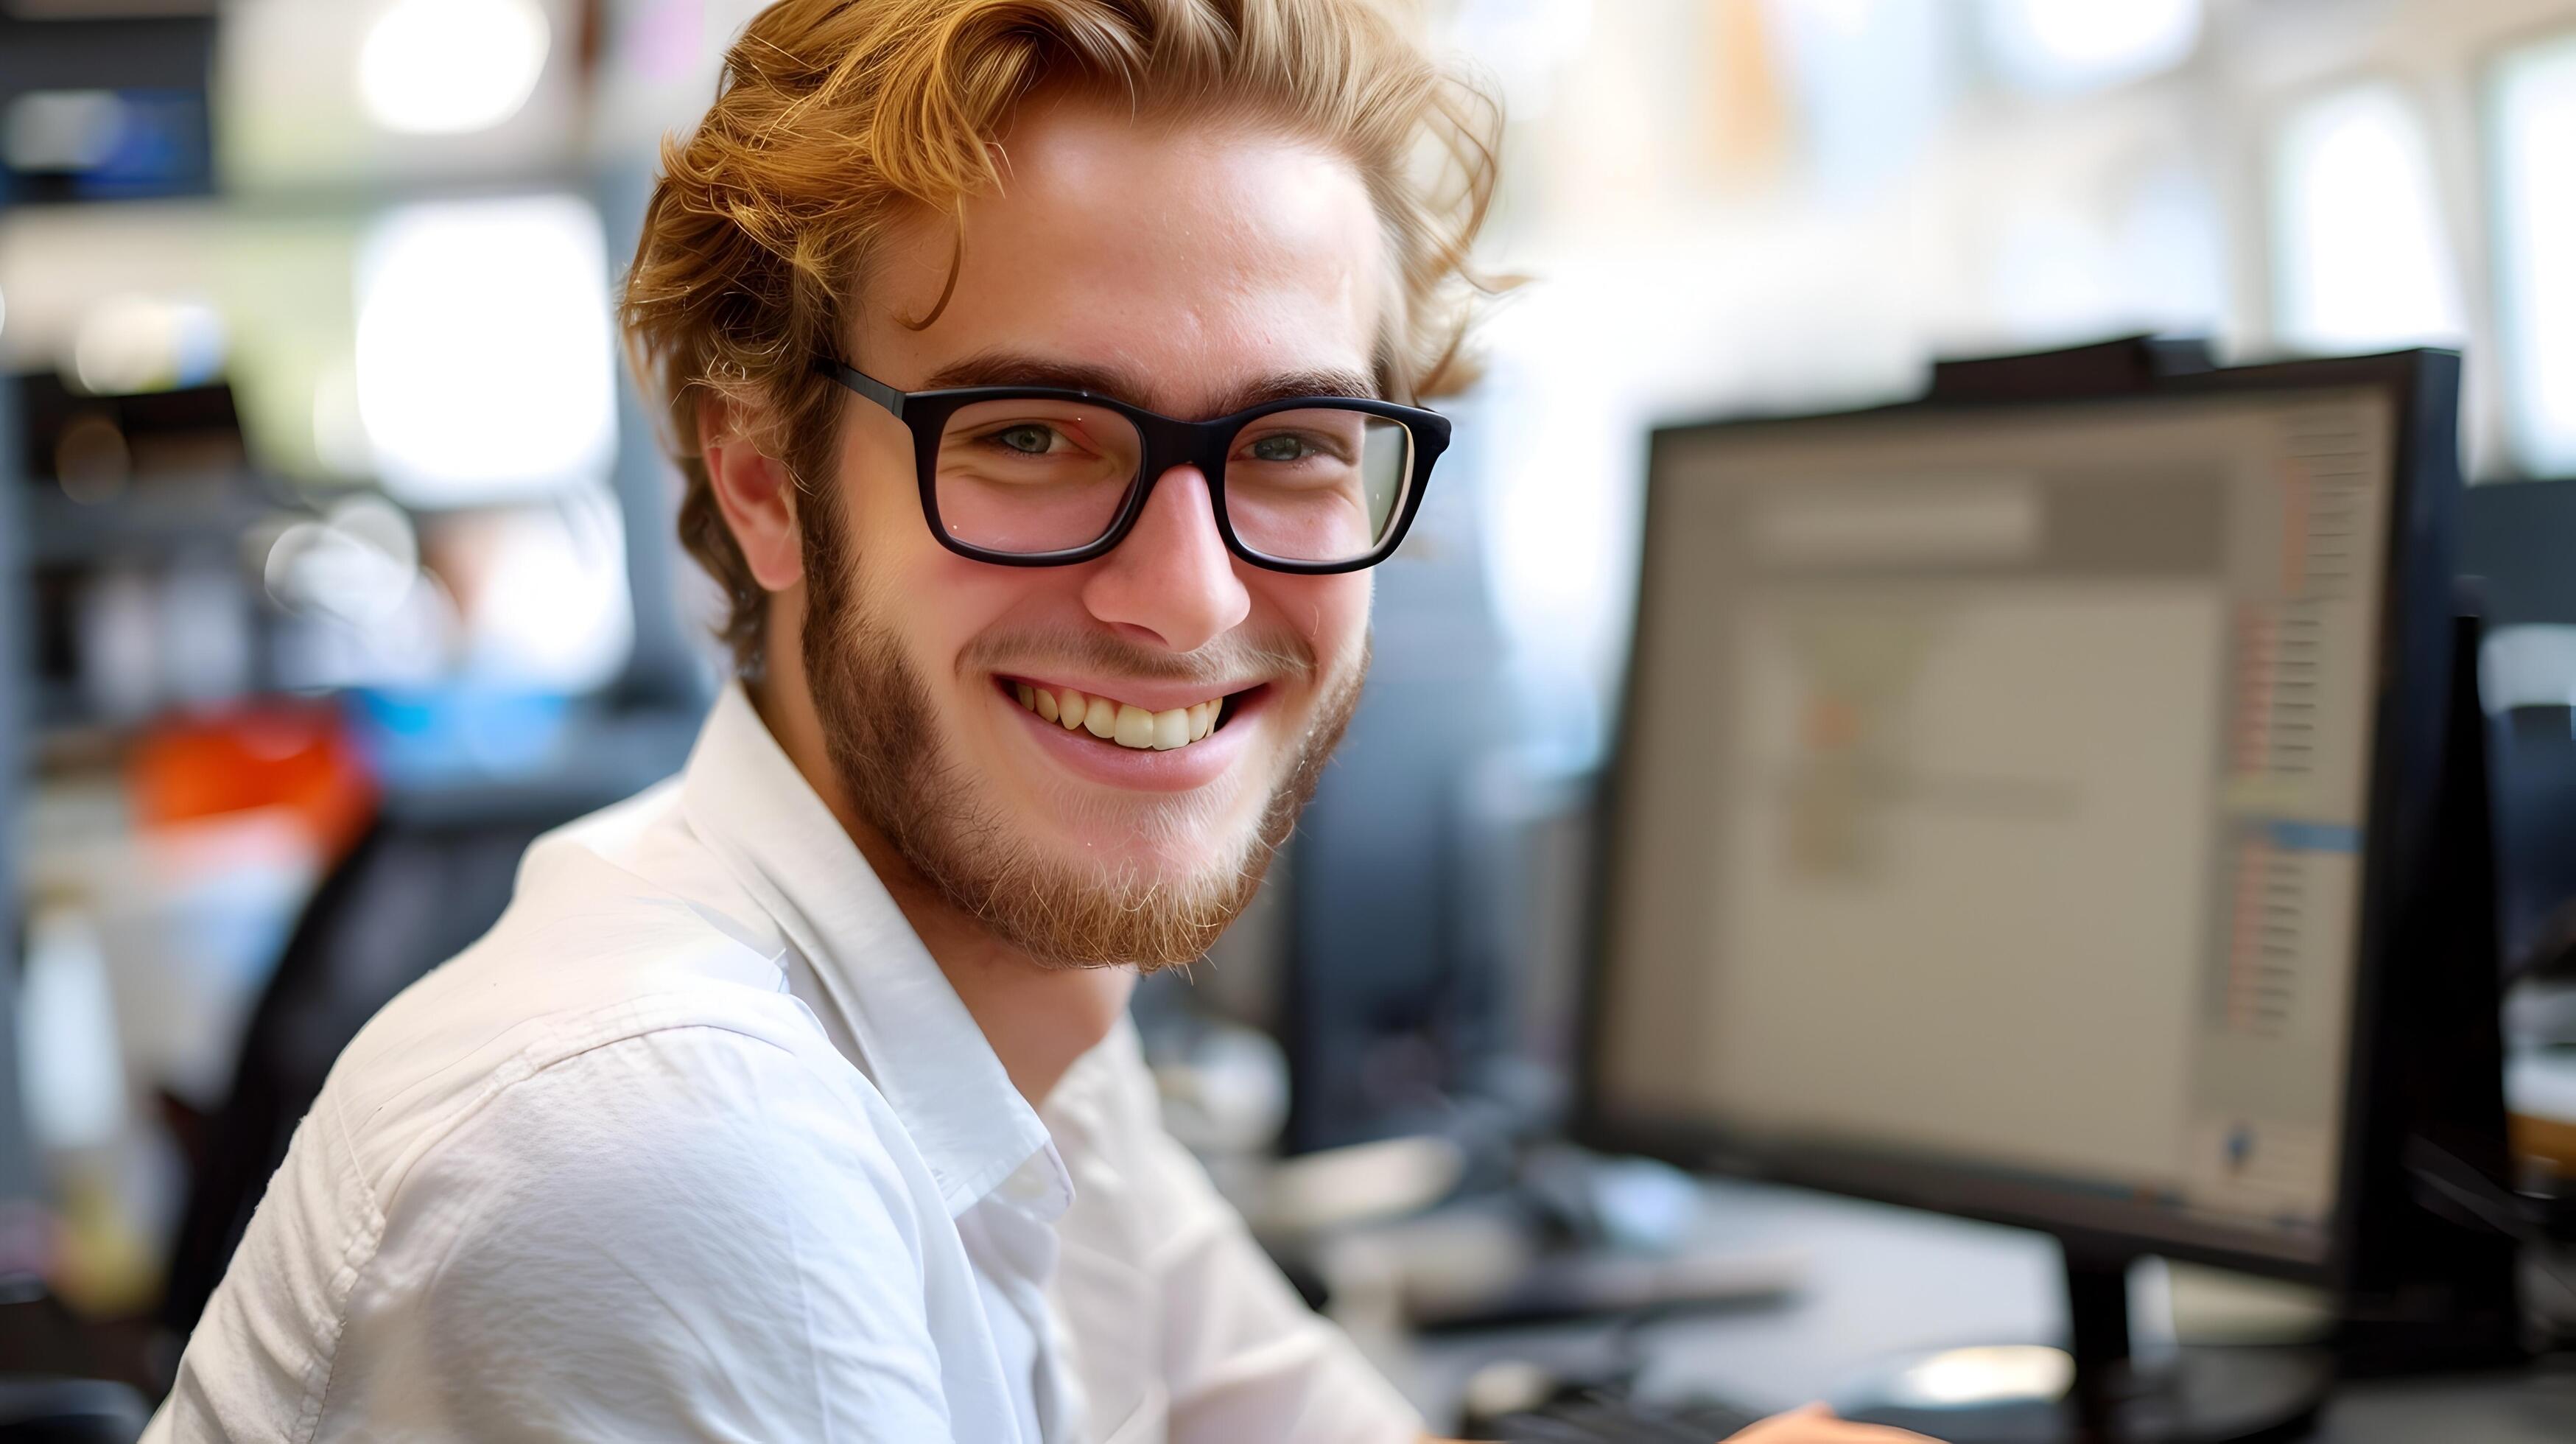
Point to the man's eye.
(1029, 439)
(1281, 448)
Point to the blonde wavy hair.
(835, 118)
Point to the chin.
(1171, 838)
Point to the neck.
(1037, 1018)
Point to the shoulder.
(680, 1231)
(688, 1183)
(622, 928)
(691, 1142)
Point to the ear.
(755, 494)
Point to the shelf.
(151, 520)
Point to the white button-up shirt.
(698, 1143)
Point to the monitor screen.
(1992, 814)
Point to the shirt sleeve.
(681, 1235)
(1244, 1359)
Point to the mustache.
(1281, 655)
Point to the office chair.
(2535, 823)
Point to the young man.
(1041, 374)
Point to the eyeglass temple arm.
(862, 383)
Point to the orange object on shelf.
(2548, 1144)
(278, 753)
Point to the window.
(2359, 259)
(2534, 135)
(1872, 83)
(2062, 272)
(485, 358)
(2058, 46)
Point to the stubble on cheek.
(958, 837)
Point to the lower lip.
(1099, 760)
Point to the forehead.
(1191, 260)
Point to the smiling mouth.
(1124, 723)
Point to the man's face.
(1181, 269)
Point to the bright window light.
(1872, 83)
(2066, 45)
(2359, 259)
(1525, 43)
(551, 609)
(445, 67)
(484, 354)
(2173, 252)
(2061, 271)
(2054, 276)
(2535, 137)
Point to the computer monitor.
(2016, 803)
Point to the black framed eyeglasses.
(1040, 476)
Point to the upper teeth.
(1124, 723)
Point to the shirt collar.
(919, 1045)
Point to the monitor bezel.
(2416, 608)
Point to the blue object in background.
(105, 109)
(422, 739)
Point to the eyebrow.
(1012, 368)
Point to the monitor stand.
(2096, 1392)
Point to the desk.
(1886, 1280)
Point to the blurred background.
(336, 556)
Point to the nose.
(1171, 581)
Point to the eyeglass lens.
(1319, 484)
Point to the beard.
(891, 760)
